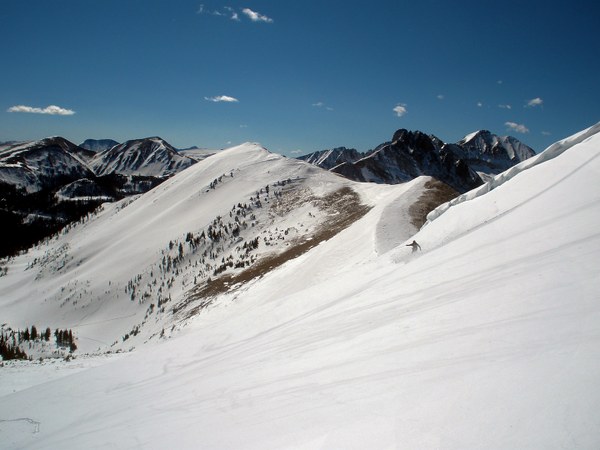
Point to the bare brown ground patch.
(436, 193)
(342, 208)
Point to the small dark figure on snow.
(414, 246)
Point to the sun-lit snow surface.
(488, 339)
(80, 280)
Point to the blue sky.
(297, 76)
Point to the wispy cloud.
(322, 105)
(232, 14)
(534, 102)
(222, 98)
(505, 106)
(296, 152)
(52, 110)
(400, 110)
(441, 96)
(226, 11)
(479, 104)
(255, 16)
(546, 133)
(517, 127)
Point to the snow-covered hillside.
(489, 338)
(143, 265)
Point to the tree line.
(10, 340)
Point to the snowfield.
(488, 338)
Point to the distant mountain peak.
(413, 153)
(151, 156)
(328, 159)
(490, 154)
(43, 163)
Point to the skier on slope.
(414, 246)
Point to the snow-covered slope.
(488, 339)
(149, 156)
(228, 219)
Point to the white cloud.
(226, 11)
(505, 106)
(256, 17)
(52, 110)
(440, 97)
(546, 133)
(222, 98)
(519, 128)
(296, 152)
(535, 102)
(479, 104)
(400, 110)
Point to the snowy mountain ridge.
(487, 338)
(232, 216)
(37, 164)
(150, 156)
(551, 152)
(486, 143)
(50, 183)
(463, 165)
